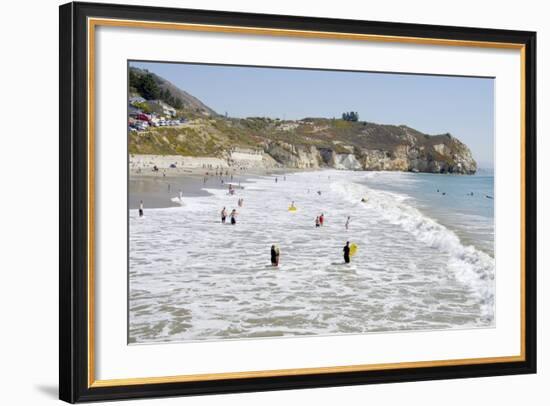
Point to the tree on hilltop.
(350, 116)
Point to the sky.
(462, 106)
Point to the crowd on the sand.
(275, 251)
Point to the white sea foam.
(193, 278)
(178, 200)
(471, 266)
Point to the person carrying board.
(346, 253)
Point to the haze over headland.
(461, 106)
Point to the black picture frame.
(74, 385)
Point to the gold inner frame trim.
(94, 22)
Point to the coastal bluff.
(195, 130)
(262, 143)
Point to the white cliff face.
(347, 161)
(308, 157)
(439, 158)
(294, 156)
(442, 149)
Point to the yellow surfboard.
(352, 249)
(290, 208)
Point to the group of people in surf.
(232, 216)
(467, 194)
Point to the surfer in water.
(292, 207)
(347, 222)
(317, 223)
(322, 219)
(141, 208)
(233, 217)
(223, 215)
(346, 253)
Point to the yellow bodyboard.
(352, 249)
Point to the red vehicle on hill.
(144, 117)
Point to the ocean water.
(424, 262)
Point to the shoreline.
(157, 189)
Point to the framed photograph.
(260, 202)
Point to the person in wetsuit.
(274, 255)
(346, 253)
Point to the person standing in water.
(322, 219)
(141, 208)
(346, 253)
(317, 223)
(347, 222)
(274, 256)
(292, 206)
(233, 217)
(223, 215)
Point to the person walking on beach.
(347, 222)
(224, 215)
(321, 219)
(346, 253)
(233, 217)
(141, 208)
(317, 223)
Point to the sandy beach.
(188, 175)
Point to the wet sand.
(157, 189)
